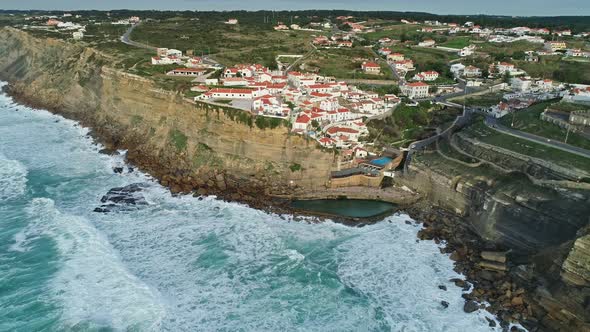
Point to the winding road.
(125, 38)
(493, 123)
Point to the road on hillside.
(125, 38)
(493, 123)
(304, 57)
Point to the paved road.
(493, 123)
(304, 57)
(125, 38)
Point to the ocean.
(193, 264)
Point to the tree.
(506, 77)
(315, 123)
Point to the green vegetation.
(568, 107)
(481, 100)
(344, 63)
(565, 159)
(204, 155)
(458, 42)
(446, 149)
(178, 139)
(263, 122)
(529, 120)
(428, 58)
(454, 169)
(249, 41)
(239, 116)
(380, 89)
(136, 120)
(555, 68)
(295, 167)
(409, 123)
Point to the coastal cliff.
(187, 146)
(543, 230)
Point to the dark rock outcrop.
(123, 198)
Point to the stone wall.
(356, 181)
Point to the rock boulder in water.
(123, 198)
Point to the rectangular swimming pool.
(381, 162)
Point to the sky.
(493, 7)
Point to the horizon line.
(286, 10)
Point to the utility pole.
(567, 133)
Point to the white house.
(395, 57)
(194, 62)
(427, 43)
(166, 60)
(471, 71)
(466, 51)
(457, 69)
(499, 110)
(228, 93)
(415, 90)
(235, 81)
(186, 72)
(427, 76)
(504, 67)
(553, 46)
(406, 65)
(521, 84)
(302, 123)
(78, 35)
(371, 68)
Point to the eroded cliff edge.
(187, 146)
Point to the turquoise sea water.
(184, 264)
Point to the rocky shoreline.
(507, 296)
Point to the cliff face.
(545, 231)
(187, 146)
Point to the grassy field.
(427, 58)
(392, 31)
(228, 44)
(508, 49)
(529, 121)
(553, 67)
(565, 159)
(484, 100)
(458, 42)
(344, 63)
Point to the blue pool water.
(381, 162)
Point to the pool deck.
(394, 195)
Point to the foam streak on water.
(184, 264)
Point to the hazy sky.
(501, 7)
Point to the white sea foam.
(93, 285)
(184, 264)
(13, 178)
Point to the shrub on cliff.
(178, 139)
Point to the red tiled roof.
(303, 119)
(416, 84)
(223, 90)
(371, 64)
(334, 130)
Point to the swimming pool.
(381, 162)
